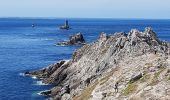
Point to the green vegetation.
(132, 86)
(86, 94)
(105, 79)
(145, 78)
(168, 78)
(110, 94)
(156, 75)
(129, 89)
(148, 65)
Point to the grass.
(168, 78)
(156, 75)
(129, 89)
(145, 78)
(86, 94)
(148, 65)
(105, 79)
(154, 82)
(110, 93)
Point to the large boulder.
(74, 40)
(136, 77)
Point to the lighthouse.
(66, 26)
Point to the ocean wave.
(33, 77)
(21, 74)
(40, 92)
(49, 98)
(60, 45)
(40, 83)
(46, 39)
(29, 34)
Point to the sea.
(24, 48)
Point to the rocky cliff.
(137, 61)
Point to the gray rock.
(148, 88)
(136, 77)
(76, 39)
(66, 97)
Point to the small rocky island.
(65, 26)
(123, 66)
(76, 39)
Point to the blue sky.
(148, 9)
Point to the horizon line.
(87, 18)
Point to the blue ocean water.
(23, 48)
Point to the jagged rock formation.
(74, 40)
(138, 61)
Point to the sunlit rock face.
(138, 61)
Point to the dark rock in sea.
(76, 39)
(45, 93)
(26, 73)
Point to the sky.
(147, 9)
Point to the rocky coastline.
(138, 62)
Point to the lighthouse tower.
(66, 24)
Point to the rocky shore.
(123, 66)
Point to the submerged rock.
(26, 73)
(74, 40)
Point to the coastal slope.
(138, 62)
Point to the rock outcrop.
(122, 59)
(76, 39)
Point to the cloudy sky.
(148, 9)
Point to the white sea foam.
(40, 83)
(46, 39)
(39, 93)
(49, 98)
(62, 45)
(34, 77)
(21, 74)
